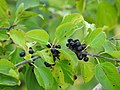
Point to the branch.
(27, 61)
(8, 28)
(98, 56)
(114, 39)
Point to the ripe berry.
(80, 57)
(53, 50)
(67, 44)
(72, 43)
(86, 59)
(22, 54)
(77, 40)
(84, 53)
(79, 48)
(69, 40)
(77, 43)
(49, 46)
(57, 46)
(74, 77)
(83, 46)
(31, 50)
(47, 64)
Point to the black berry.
(69, 40)
(53, 50)
(79, 48)
(47, 64)
(74, 77)
(67, 44)
(77, 43)
(84, 53)
(49, 46)
(57, 46)
(72, 43)
(83, 46)
(22, 54)
(31, 50)
(80, 57)
(86, 59)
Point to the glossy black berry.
(47, 64)
(76, 40)
(67, 44)
(80, 57)
(57, 46)
(83, 46)
(86, 59)
(84, 53)
(49, 46)
(72, 43)
(53, 50)
(22, 54)
(69, 40)
(74, 77)
(79, 48)
(31, 50)
(77, 43)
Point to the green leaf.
(8, 81)
(31, 81)
(7, 68)
(117, 3)
(67, 71)
(26, 15)
(70, 24)
(8, 75)
(107, 75)
(20, 10)
(74, 18)
(96, 38)
(7, 88)
(46, 55)
(59, 76)
(80, 4)
(57, 3)
(18, 37)
(38, 35)
(69, 55)
(115, 54)
(3, 35)
(3, 9)
(87, 71)
(106, 15)
(64, 31)
(44, 77)
(109, 46)
(28, 3)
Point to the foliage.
(43, 27)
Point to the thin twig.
(114, 39)
(7, 28)
(98, 56)
(27, 61)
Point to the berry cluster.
(55, 53)
(78, 49)
(54, 50)
(22, 54)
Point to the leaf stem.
(98, 56)
(27, 61)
